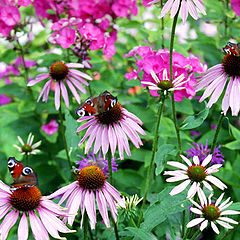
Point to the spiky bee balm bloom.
(109, 124)
(195, 173)
(28, 202)
(212, 213)
(91, 186)
(62, 74)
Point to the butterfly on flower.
(232, 48)
(97, 105)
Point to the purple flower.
(51, 127)
(195, 133)
(203, 151)
(100, 161)
(61, 73)
(4, 99)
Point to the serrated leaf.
(167, 204)
(195, 121)
(140, 233)
(161, 154)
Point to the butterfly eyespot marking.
(89, 101)
(27, 171)
(107, 96)
(80, 112)
(113, 102)
(11, 162)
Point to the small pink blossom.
(67, 37)
(10, 15)
(235, 4)
(24, 3)
(51, 127)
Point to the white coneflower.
(195, 174)
(212, 213)
(28, 148)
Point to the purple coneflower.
(91, 186)
(60, 73)
(111, 129)
(99, 161)
(27, 202)
(187, 6)
(215, 80)
(195, 174)
(212, 213)
(203, 151)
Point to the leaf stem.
(64, 137)
(219, 124)
(194, 237)
(109, 158)
(154, 148)
(85, 226)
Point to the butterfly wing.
(88, 108)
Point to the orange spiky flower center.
(111, 116)
(58, 71)
(211, 212)
(197, 173)
(91, 177)
(25, 198)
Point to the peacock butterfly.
(232, 48)
(22, 176)
(97, 105)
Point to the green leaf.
(26, 106)
(161, 154)
(235, 132)
(234, 145)
(195, 121)
(140, 233)
(167, 204)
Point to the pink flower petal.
(38, 79)
(57, 96)
(102, 206)
(64, 93)
(73, 90)
(23, 228)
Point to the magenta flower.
(91, 186)
(111, 129)
(51, 127)
(4, 99)
(235, 4)
(187, 6)
(66, 37)
(156, 73)
(99, 161)
(202, 151)
(60, 73)
(10, 15)
(28, 202)
(215, 80)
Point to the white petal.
(177, 165)
(226, 219)
(229, 212)
(226, 225)
(214, 227)
(192, 190)
(196, 160)
(204, 225)
(207, 160)
(219, 199)
(175, 173)
(177, 178)
(224, 203)
(186, 160)
(195, 222)
(207, 185)
(216, 182)
(196, 210)
(202, 197)
(179, 188)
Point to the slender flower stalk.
(154, 148)
(109, 158)
(64, 137)
(217, 132)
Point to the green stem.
(132, 222)
(90, 90)
(162, 25)
(26, 159)
(85, 226)
(115, 230)
(109, 158)
(176, 125)
(172, 43)
(219, 124)
(195, 234)
(154, 148)
(64, 137)
(183, 223)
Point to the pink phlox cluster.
(51, 127)
(9, 17)
(148, 60)
(235, 4)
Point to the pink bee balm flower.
(212, 213)
(195, 174)
(186, 6)
(225, 75)
(91, 186)
(51, 127)
(60, 73)
(28, 202)
(111, 129)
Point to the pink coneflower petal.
(4, 210)
(179, 188)
(200, 6)
(196, 211)
(207, 160)
(224, 203)
(90, 207)
(99, 139)
(112, 139)
(75, 65)
(9, 220)
(226, 98)
(102, 206)
(45, 95)
(57, 96)
(92, 138)
(186, 160)
(196, 160)
(88, 132)
(80, 74)
(52, 207)
(78, 85)
(132, 116)
(38, 229)
(38, 79)
(175, 173)
(184, 11)
(86, 125)
(23, 228)
(73, 90)
(175, 8)
(166, 8)
(105, 138)
(64, 93)
(207, 185)
(234, 102)
(192, 9)
(48, 83)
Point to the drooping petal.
(177, 165)
(23, 228)
(102, 206)
(214, 227)
(195, 222)
(179, 188)
(216, 182)
(57, 96)
(204, 225)
(38, 79)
